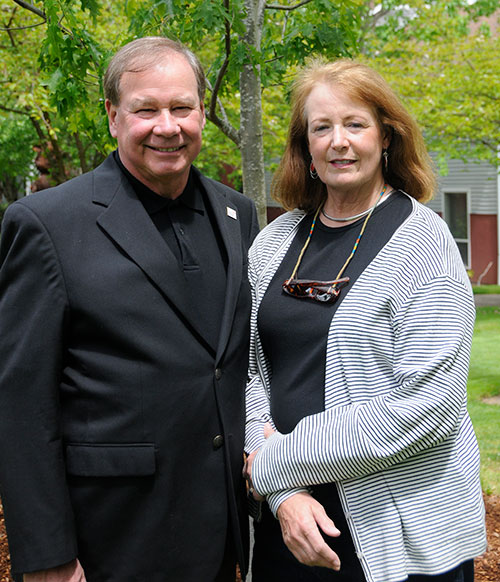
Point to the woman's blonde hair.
(409, 165)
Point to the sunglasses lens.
(325, 296)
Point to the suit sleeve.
(33, 312)
(254, 226)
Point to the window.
(457, 217)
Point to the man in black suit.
(124, 307)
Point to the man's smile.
(158, 149)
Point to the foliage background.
(442, 58)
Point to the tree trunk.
(251, 146)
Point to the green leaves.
(438, 55)
(445, 66)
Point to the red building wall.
(484, 245)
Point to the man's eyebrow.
(142, 102)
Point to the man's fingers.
(300, 518)
(70, 572)
(325, 523)
(310, 548)
(268, 430)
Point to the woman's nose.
(339, 139)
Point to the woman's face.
(345, 140)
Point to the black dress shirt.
(188, 226)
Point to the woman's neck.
(344, 207)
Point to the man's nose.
(166, 123)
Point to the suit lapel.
(126, 221)
(228, 221)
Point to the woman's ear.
(387, 132)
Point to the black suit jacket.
(121, 427)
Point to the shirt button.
(218, 373)
(360, 555)
(218, 441)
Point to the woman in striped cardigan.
(357, 426)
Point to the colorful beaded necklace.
(354, 248)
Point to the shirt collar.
(191, 196)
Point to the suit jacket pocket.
(110, 460)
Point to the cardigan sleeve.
(423, 405)
(258, 410)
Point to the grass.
(484, 382)
(486, 289)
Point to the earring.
(312, 171)
(385, 155)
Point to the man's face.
(158, 124)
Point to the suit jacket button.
(218, 441)
(218, 373)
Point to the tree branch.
(36, 124)
(227, 40)
(280, 7)
(58, 163)
(22, 27)
(11, 110)
(222, 123)
(42, 14)
(81, 152)
(31, 8)
(227, 129)
(492, 146)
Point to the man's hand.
(70, 572)
(301, 518)
(247, 469)
(247, 474)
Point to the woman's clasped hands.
(302, 519)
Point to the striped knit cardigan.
(395, 435)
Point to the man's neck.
(172, 188)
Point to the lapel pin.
(231, 212)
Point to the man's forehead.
(179, 69)
(162, 62)
(143, 99)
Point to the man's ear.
(202, 108)
(111, 110)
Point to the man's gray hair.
(143, 54)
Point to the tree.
(249, 46)
(53, 54)
(442, 58)
(16, 154)
(26, 94)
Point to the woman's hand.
(301, 518)
(247, 468)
